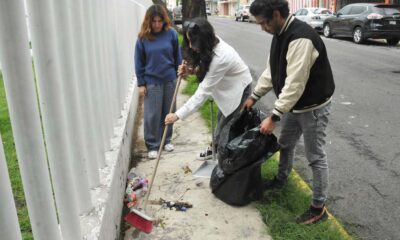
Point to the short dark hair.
(265, 8)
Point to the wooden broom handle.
(164, 136)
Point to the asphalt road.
(363, 142)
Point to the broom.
(137, 218)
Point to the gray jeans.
(312, 125)
(156, 106)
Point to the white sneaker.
(169, 147)
(152, 154)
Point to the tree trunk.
(193, 8)
(161, 2)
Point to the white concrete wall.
(99, 57)
(104, 222)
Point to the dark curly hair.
(202, 37)
(265, 8)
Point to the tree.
(161, 2)
(193, 8)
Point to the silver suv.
(365, 20)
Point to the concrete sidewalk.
(209, 218)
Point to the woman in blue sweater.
(157, 57)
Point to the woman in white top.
(221, 72)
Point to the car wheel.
(242, 19)
(327, 30)
(236, 18)
(392, 41)
(358, 35)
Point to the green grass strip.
(279, 208)
(12, 164)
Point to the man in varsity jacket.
(299, 73)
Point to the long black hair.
(203, 38)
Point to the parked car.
(313, 16)
(242, 13)
(365, 20)
(208, 11)
(251, 18)
(177, 14)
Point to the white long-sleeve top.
(225, 82)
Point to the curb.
(304, 186)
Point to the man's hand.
(248, 104)
(142, 91)
(267, 126)
(171, 118)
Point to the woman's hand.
(184, 70)
(171, 118)
(142, 91)
(248, 104)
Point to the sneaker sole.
(152, 157)
(204, 158)
(323, 216)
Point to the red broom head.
(140, 221)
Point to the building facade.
(229, 7)
(332, 5)
(212, 5)
(294, 5)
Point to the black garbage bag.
(236, 180)
(247, 120)
(240, 188)
(242, 144)
(246, 149)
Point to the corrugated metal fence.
(83, 66)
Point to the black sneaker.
(274, 184)
(205, 155)
(313, 215)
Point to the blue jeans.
(313, 126)
(156, 106)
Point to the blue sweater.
(157, 61)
